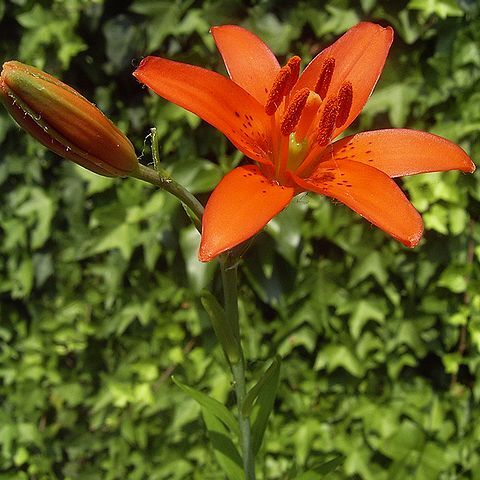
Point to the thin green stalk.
(161, 179)
(230, 291)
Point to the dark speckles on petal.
(323, 177)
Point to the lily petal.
(399, 152)
(239, 207)
(359, 56)
(249, 62)
(216, 99)
(369, 192)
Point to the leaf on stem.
(222, 327)
(225, 451)
(319, 471)
(258, 403)
(212, 406)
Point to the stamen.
(308, 114)
(345, 98)
(327, 123)
(294, 111)
(277, 92)
(325, 77)
(294, 65)
(284, 82)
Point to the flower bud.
(64, 121)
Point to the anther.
(277, 92)
(284, 82)
(325, 77)
(345, 98)
(294, 65)
(327, 122)
(294, 111)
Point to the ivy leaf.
(442, 8)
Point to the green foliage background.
(99, 277)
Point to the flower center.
(308, 119)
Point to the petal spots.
(240, 206)
(369, 192)
(216, 99)
(398, 152)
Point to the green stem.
(230, 291)
(161, 179)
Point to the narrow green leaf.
(221, 326)
(262, 395)
(310, 475)
(253, 393)
(319, 471)
(211, 405)
(225, 451)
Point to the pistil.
(308, 115)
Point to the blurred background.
(99, 277)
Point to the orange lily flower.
(285, 123)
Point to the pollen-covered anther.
(277, 92)
(327, 122)
(294, 65)
(284, 82)
(294, 111)
(345, 98)
(325, 77)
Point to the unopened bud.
(64, 121)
